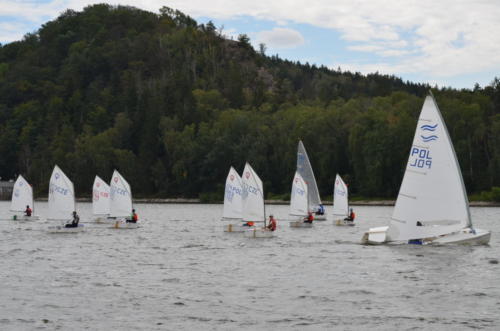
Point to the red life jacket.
(135, 217)
(353, 216)
(28, 211)
(272, 224)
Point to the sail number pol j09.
(420, 158)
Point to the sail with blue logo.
(22, 195)
(233, 196)
(253, 196)
(61, 196)
(299, 205)
(340, 198)
(432, 200)
(120, 196)
(305, 170)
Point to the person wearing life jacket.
(351, 216)
(272, 223)
(309, 218)
(249, 223)
(134, 218)
(28, 211)
(321, 210)
(74, 222)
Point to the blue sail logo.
(427, 127)
(430, 128)
(426, 139)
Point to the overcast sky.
(447, 42)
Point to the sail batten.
(233, 196)
(432, 187)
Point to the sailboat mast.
(264, 205)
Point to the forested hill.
(173, 104)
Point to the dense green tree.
(172, 105)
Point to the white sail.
(432, 192)
(340, 198)
(299, 205)
(232, 196)
(305, 170)
(100, 197)
(22, 195)
(121, 196)
(253, 196)
(61, 196)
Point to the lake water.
(179, 271)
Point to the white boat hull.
(122, 224)
(342, 222)
(467, 236)
(237, 228)
(300, 224)
(464, 237)
(63, 229)
(24, 218)
(259, 233)
(320, 217)
(103, 220)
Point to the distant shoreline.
(283, 202)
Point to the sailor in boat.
(74, 222)
(28, 211)
(272, 223)
(309, 218)
(351, 216)
(321, 210)
(249, 223)
(134, 218)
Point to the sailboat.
(121, 202)
(233, 203)
(253, 208)
(61, 202)
(299, 202)
(340, 202)
(22, 196)
(305, 170)
(100, 200)
(432, 206)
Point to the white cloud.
(280, 38)
(440, 38)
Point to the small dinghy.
(432, 206)
(259, 233)
(100, 201)
(299, 203)
(304, 168)
(22, 198)
(341, 203)
(233, 204)
(62, 203)
(63, 229)
(253, 208)
(123, 224)
(120, 203)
